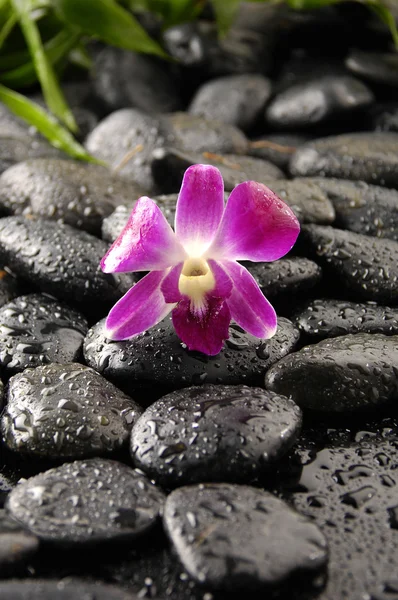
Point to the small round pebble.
(37, 329)
(86, 502)
(231, 536)
(66, 411)
(213, 433)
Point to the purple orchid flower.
(194, 272)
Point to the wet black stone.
(385, 117)
(367, 267)
(17, 545)
(213, 433)
(169, 166)
(10, 287)
(87, 501)
(62, 261)
(235, 99)
(15, 149)
(157, 362)
(185, 43)
(230, 536)
(320, 319)
(37, 329)
(306, 104)
(363, 208)
(346, 373)
(126, 79)
(285, 276)
(65, 589)
(306, 198)
(75, 193)
(276, 147)
(12, 126)
(193, 133)
(375, 67)
(371, 157)
(125, 141)
(66, 411)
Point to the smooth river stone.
(64, 589)
(157, 362)
(14, 149)
(213, 433)
(231, 536)
(234, 99)
(367, 267)
(306, 198)
(277, 147)
(319, 319)
(288, 276)
(37, 329)
(312, 102)
(17, 545)
(62, 261)
(87, 501)
(75, 193)
(343, 374)
(374, 66)
(371, 157)
(66, 411)
(363, 208)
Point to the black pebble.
(17, 545)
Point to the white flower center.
(195, 281)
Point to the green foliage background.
(39, 37)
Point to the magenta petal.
(146, 243)
(248, 306)
(200, 207)
(142, 307)
(256, 225)
(224, 284)
(169, 285)
(207, 332)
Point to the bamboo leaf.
(225, 12)
(7, 28)
(52, 92)
(45, 123)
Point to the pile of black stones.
(139, 469)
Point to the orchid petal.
(247, 304)
(146, 243)
(142, 307)
(256, 225)
(169, 285)
(200, 207)
(207, 332)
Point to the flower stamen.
(196, 280)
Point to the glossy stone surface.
(285, 276)
(306, 198)
(87, 501)
(376, 67)
(28, 589)
(15, 149)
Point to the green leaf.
(386, 16)
(56, 49)
(225, 11)
(108, 21)
(52, 92)
(45, 123)
(8, 27)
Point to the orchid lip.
(196, 280)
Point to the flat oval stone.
(363, 208)
(306, 198)
(157, 362)
(371, 157)
(14, 149)
(230, 536)
(193, 133)
(311, 102)
(213, 433)
(75, 193)
(169, 166)
(374, 66)
(128, 79)
(320, 319)
(62, 261)
(66, 411)
(37, 329)
(285, 276)
(17, 545)
(366, 266)
(235, 99)
(87, 501)
(277, 147)
(347, 373)
(65, 589)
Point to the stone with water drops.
(87, 501)
(157, 362)
(66, 411)
(213, 433)
(230, 536)
(347, 373)
(64, 589)
(16, 148)
(37, 329)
